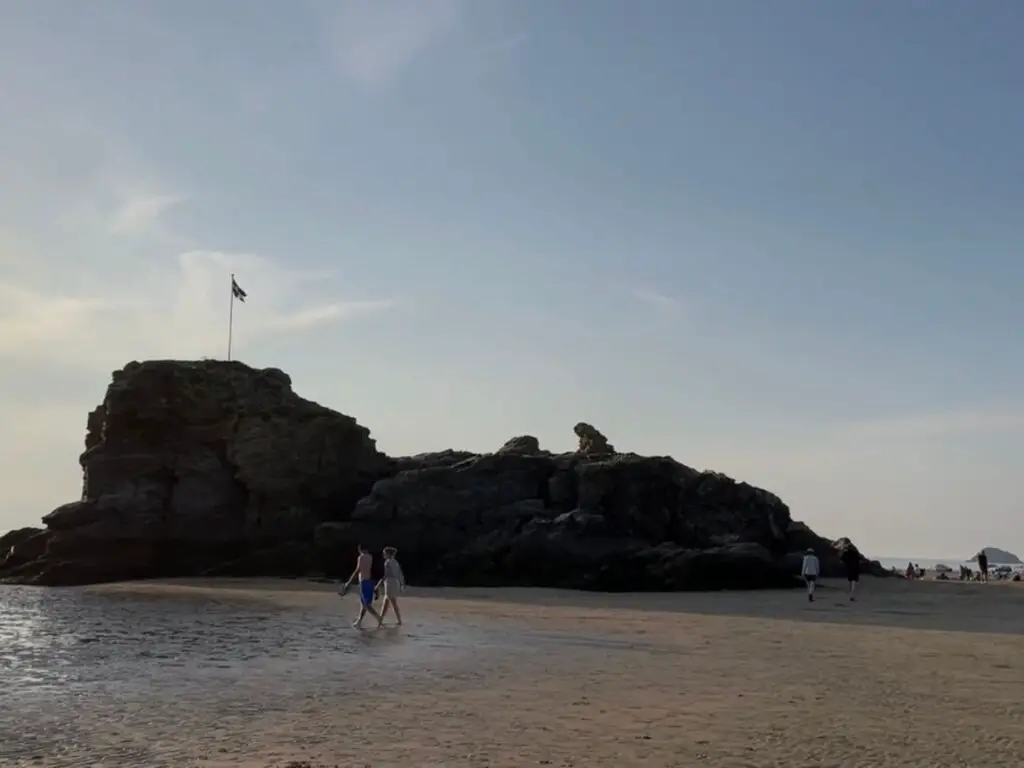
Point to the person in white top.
(393, 584)
(810, 570)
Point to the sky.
(779, 240)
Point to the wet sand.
(913, 674)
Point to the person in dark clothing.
(851, 564)
(983, 565)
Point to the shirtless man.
(363, 571)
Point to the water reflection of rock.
(160, 662)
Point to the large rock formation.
(207, 468)
(191, 465)
(614, 522)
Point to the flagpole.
(231, 314)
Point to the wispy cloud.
(122, 306)
(374, 42)
(178, 310)
(658, 301)
(313, 316)
(33, 322)
(142, 214)
(69, 317)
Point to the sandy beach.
(913, 674)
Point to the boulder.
(800, 538)
(21, 546)
(215, 468)
(591, 442)
(870, 567)
(526, 445)
(13, 538)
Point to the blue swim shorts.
(366, 592)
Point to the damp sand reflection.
(164, 663)
(258, 674)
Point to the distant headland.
(998, 556)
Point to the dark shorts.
(366, 592)
(810, 579)
(852, 574)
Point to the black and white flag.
(237, 292)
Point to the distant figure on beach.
(911, 571)
(851, 564)
(364, 572)
(393, 584)
(810, 570)
(983, 565)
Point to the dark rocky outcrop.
(592, 442)
(215, 468)
(524, 445)
(830, 553)
(21, 547)
(191, 465)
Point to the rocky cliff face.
(207, 468)
(608, 522)
(191, 465)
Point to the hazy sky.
(778, 239)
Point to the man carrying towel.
(364, 572)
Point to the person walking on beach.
(364, 572)
(810, 570)
(983, 565)
(851, 564)
(393, 583)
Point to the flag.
(237, 292)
